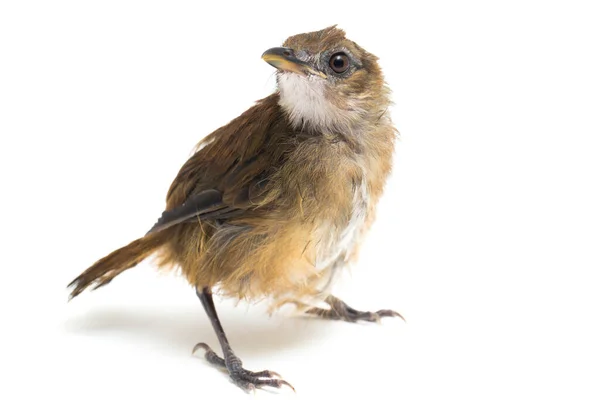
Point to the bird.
(272, 205)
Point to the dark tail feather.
(105, 269)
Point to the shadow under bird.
(272, 204)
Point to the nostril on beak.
(287, 53)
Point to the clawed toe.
(210, 355)
(341, 311)
(247, 380)
(250, 380)
(265, 374)
(390, 313)
(355, 316)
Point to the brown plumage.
(273, 203)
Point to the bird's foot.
(247, 380)
(341, 311)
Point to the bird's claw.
(341, 311)
(250, 380)
(247, 380)
(390, 313)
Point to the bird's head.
(327, 82)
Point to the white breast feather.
(338, 242)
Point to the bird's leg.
(245, 379)
(341, 311)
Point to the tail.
(105, 269)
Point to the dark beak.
(284, 59)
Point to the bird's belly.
(337, 242)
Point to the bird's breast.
(337, 240)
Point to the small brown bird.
(272, 204)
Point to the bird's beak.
(284, 59)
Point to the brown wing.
(201, 205)
(230, 173)
(240, 194)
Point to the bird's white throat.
(305, 101)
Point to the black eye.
(339, 62)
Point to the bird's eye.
(339, 63)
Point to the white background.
(487, 239)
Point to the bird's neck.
(310, 108)
(314, 115)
